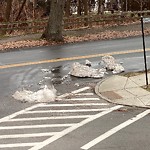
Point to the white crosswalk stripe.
(83, 99)
(63, 111)
(27, 135)
(57, 119)
(48, 118)
(83, 104)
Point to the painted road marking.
(74, 92)
(18, 145)
(49, 118)
(18, 113)
(85, 94)
(72, 128)
(27, 135)
(81, 90)
(35, 126)
(37, 105)
(71, 58)
(83, 99)
(60, 129)
(80, 104)
(114, 130)
(65, 111)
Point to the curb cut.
(98, 93)
(108, 100)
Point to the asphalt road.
(73, 50)
(22, 69)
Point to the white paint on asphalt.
(35, 126)
(74, 92)
(80, 90)
(18, 145)
(27, 135)
(78, 104)
(42, 108)
(83, 99)
(65, 111)
(84, 94)
(18, 113)
(72, 128)
(114, 130)
(49, 118)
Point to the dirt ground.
(77, 35)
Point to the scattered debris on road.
(80, 70)
(43, 95)
(54, 76)
(110, 64)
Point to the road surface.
(84, 121)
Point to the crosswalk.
(42, 124)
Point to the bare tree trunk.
(19, 13)
(111, 6)
(141, 3)
(126, 5)
(7, 14)
(79, 8)
(119, 6)
(8, 10)
(21, 8)
(54, 28)
(67, 8)
(34, 14)
(35, 3)
(85, 6)
(100, 7)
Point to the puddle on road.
(60, 75)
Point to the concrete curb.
(99, 94)
(108, 100)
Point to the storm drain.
(111, 95)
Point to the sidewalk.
(125, 91)
(20, 38)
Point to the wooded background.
(32, 15)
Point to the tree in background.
(101, 7)
(135, 5)
(54, 27)
(141, 3)
(8, 10)
(67, 8)
(7, 14)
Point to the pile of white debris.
(43, 95)
(46, 94)
(108, 63)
